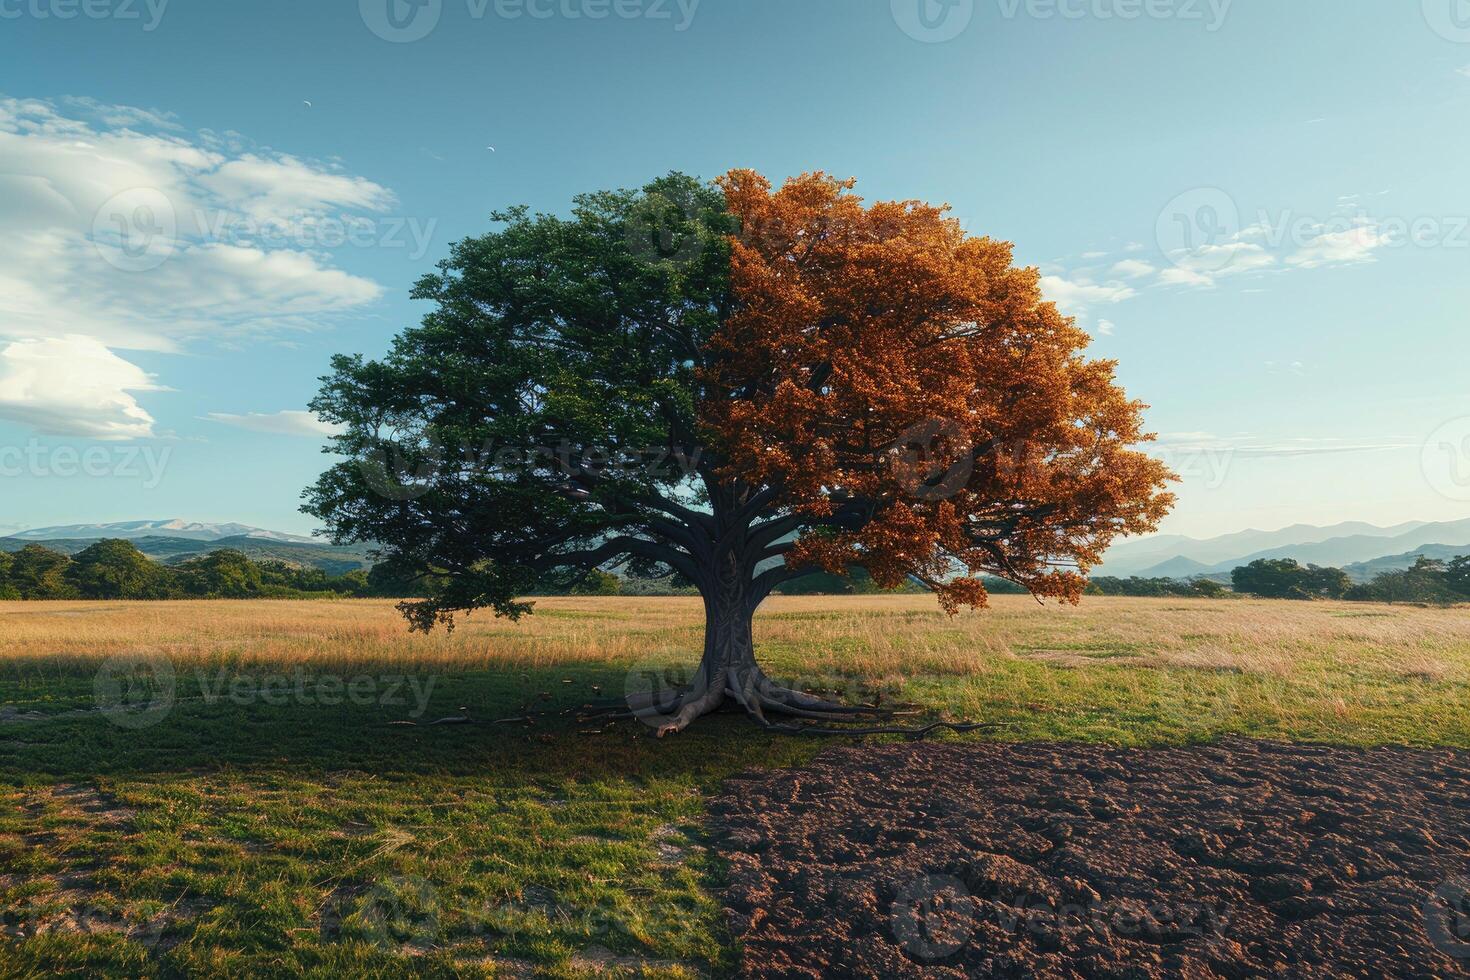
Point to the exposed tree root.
(671, 711)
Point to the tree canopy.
(742, 386)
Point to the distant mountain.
(1314, 547)
(1180, 567)
(130, 530)
(1144, 555)
(173, 550)
(1368, 570)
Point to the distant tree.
(1286, 578)
(1157, 587)
(856, 581)
(1456, 575)
(1428, 580)
(1208, 588)
(116, 569)
(745, 385)
(223, 574)
(7, 590)
(598, 582)
(37, 572)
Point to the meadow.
(273, 799)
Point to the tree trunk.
(728, 667)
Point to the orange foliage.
(907, 388)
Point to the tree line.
(116, 569)
(1429, 580)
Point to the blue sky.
(1259, 208)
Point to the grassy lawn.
(249, 807)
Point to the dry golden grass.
(872, 636)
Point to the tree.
(37, 572)
(7, 590)
(222, 574)
(1456, 575)
(116, 569)
(743, 386)
(1286, 578)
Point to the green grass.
(232, 835)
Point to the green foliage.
(1156, 587)
(598, 582)
(1428, 581)
(512, 428)
(39, 573)
(1285, 578)
(7, 590)
(116, 569)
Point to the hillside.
(173, 550)
(1368, 570)
(1336, 546)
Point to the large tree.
(739, 386)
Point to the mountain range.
(1361, 549)
(189, 530)
(174, 541)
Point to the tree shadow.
(135, 722)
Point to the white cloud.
(1133, 269)
(1076, 296)
(122, 229)
(1344, 247)
(1464, 71)
(289, 422)
(1105, 328)
(1203, 266)
(112, 221)
(281, 188)
(1179, 276)
(73, 386)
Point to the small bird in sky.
(306, 103)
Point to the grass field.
(220, 788)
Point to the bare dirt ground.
(1245, 859)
